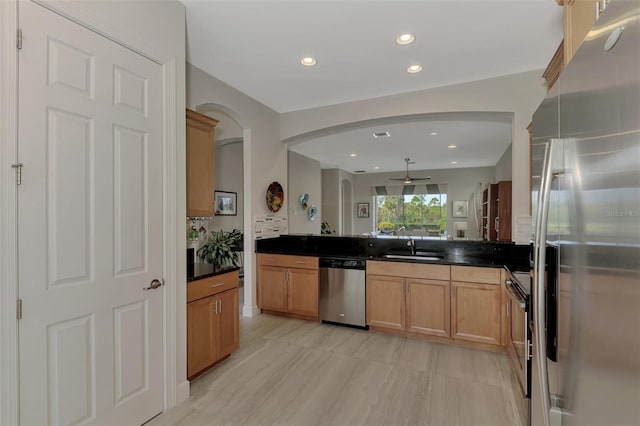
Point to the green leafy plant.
(386, 225)
(221, 248)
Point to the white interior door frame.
(175, 390)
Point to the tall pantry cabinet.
(496, 211)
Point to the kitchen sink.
(425, 257)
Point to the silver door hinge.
(19, 39)
(18, 167)
(19, 309)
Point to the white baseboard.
(250, 311)
(182, 392)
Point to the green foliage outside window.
(422, 212)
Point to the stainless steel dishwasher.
(342, 291)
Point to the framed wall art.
(225, 203)
(362, 210)
(460, 208)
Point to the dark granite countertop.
(206, 270)
(464, 253)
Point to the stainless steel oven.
(519, 338)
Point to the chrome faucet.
(412, 244)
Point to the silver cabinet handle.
(153, 285)
(217, 284)
(301, 262)
(215, 307)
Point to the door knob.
(154, 284)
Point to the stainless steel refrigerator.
(586, 197)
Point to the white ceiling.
(480, 141)
(255, 46)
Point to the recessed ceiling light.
(451, 146)
(454, 162)
(381, 135)
(353, 154)
(308, 61)
(414, 69)
(433, 133)
(405, 38)
(376, 167)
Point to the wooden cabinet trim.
(212, 285)
(287, 261)
(409, 270)
(475, 274)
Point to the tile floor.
(291, 372)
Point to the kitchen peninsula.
(448, 291)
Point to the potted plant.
(221, 248)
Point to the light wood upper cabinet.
(428, 307)
(288, 285)
(579, 17)
(385, 302)
(212, 321)
(200, 156)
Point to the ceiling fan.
(407, 178)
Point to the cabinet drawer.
(409, 270)
(287, 261)
(212, 285)
(474, 274)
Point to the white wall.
(304, 177)
(332, 206)
(461, 183)
(519, 94)
(330, 211)
(264, 157)
(229, 178)
(504, 166)
(227, 129)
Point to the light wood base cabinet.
(288, 285)
(212, 321)
(454, 304)
(385, 302)
(476, 310)
(428, 307)
(400, 301)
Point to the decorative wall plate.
(275, 196)
(313, 211)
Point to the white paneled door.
(90, 226)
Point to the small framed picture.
(363, 210)
(225, 203)
(460, 208)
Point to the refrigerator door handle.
(540, 268)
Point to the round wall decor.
(275, 196)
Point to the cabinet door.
(503, 225)
(272, 291)
(428, 307)
(476, 312)
(201, 350)
(579, 17)
(227, 335)
(200, 151)
(303, 292)
(385, 302)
